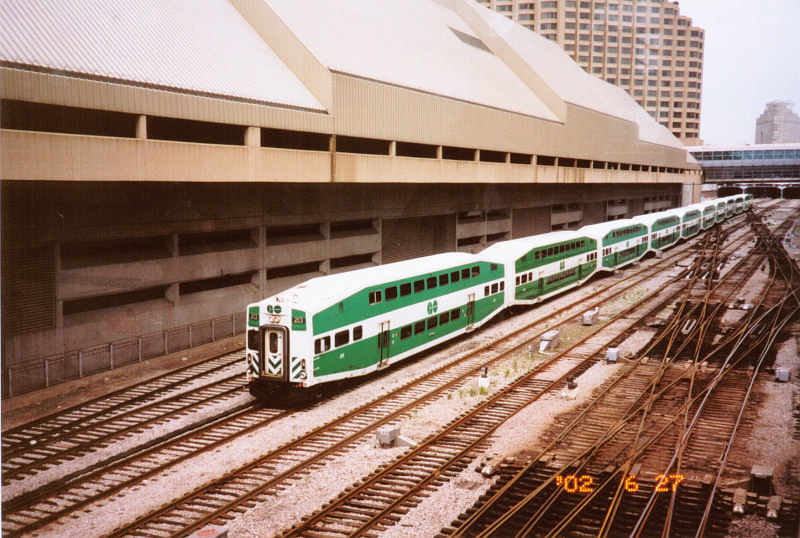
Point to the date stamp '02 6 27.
(585, 483)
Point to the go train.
(347, 325)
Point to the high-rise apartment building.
(778, 124)
(643, 46)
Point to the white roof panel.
(516, 248)
(197, 46)
(573, 84)
(416, 44)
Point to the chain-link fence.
(41, 373)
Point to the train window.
(455, 276)
(486, 291)
(273, 342)
(476, 271)
(444, 317)
(419, 285)
(358, 333)
(495, 286)
(252, 340)
(321, 345)
(519, 280)
(405, 332)
(374, 297)
(405, 289)
(455, 314)
(525, 278)
(419, 327)
(536, 255)
(431, 282)
(550, 251)
(341, 338)
(391, 293)
(562, 248)
(494, 267)
(465, 274)
(444, 280)
(433, 322)
(502, 286)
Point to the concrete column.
(173, 294)
(59, 306)
(439, 152)
(141, 127)
(262, 270)
(393, 148)
(252, 137)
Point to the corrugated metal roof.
(198, 46)
(414, 44)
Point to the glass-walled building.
(759, 162)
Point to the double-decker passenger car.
(721, 209)
(619, 242)
(349, 324)
(664, 229)
(748, 202)
(709, 210)
(691, 218)
(543, 265)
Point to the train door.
(384, 339)
(276, 352)
(470, 310)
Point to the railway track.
(45, 516)
(17, 440)
(80, 440)
(579, 488)
(172, 520)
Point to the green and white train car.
(691, 217)
(721, 209)
(748, 202)
(709, 210)
(544, 265)
(664, 229)
(619, 242)
(347, 325)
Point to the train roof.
(324, 290)
(650, 218)
(515, 248)
(602, 228)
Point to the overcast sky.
(752, 57)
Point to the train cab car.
(619, 242)
(540, 266)
(721, 209)
(709, 211)
(738, 203)
(691, 219)
(664, 229)
(748, 202)
(349, 324)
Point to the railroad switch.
(390, 437)
(492, 464)
(550, 340)
(212, 531)
(761, 480)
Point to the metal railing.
(48, 371)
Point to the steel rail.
(751, 326)
(59, 424)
